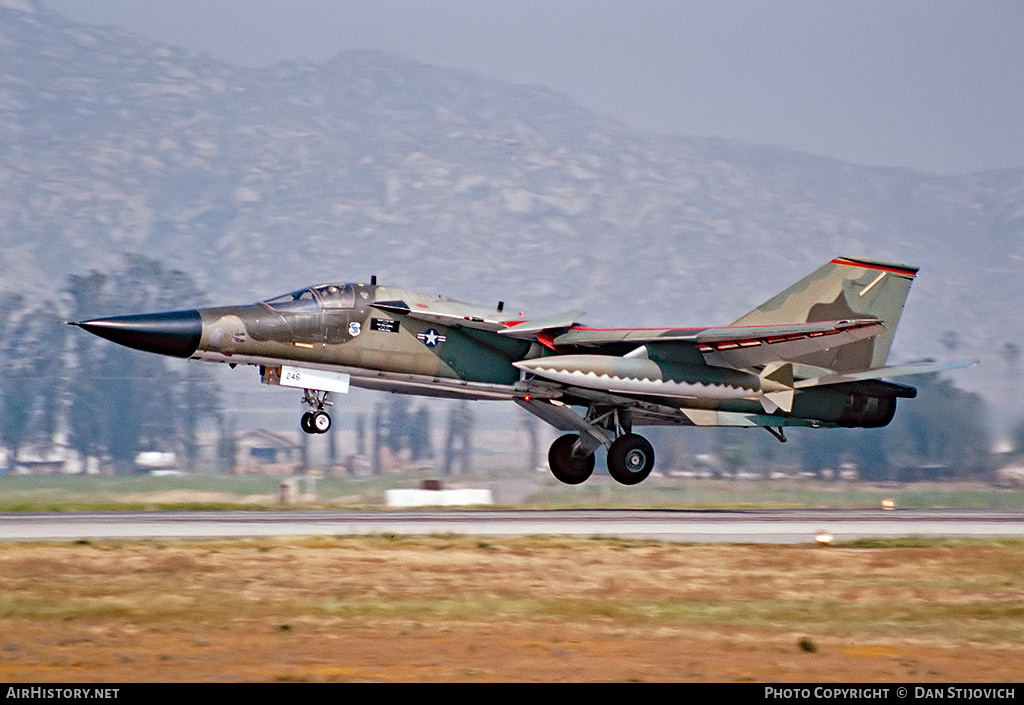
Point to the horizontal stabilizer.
(917, 368)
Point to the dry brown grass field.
(444, 608)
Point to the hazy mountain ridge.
(257, 181)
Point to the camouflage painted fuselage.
(364, 340)
(813, 355)
(398, 340)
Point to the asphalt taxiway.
(786, 526)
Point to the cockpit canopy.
(322, 297)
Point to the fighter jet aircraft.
(813, 355)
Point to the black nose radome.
(176, 333)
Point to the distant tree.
(822, 449)
(530, 423)
(32, 358)
(123, 401)
(396, 437)
(227, 447)
(735, 456)
(1017, 438)
(459, 442)
(195, 397)
(332, 446)
(869, 452)
(379, 427)
(943, 427)
(361, 435)
(400, 429)
(420, 444)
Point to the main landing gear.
(630, 456)
(630, 459)
(317, 420)
(569, 462)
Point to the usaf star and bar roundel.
(431, 338)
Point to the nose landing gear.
(318, 420)
(315, 422)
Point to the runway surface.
(769, 527)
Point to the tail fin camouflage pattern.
(845, 288)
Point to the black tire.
(630, 459)
(320, 422)
(307, 422)
(566, 467)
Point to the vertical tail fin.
(845, 288)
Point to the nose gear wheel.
(318, 420)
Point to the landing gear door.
(304, 378)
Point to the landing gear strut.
(318, 420)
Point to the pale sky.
(935, 85)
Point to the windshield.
(301, 300)
(320, 297)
